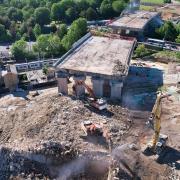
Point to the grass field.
(146, 8)
(153, 1)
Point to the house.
(137, 24)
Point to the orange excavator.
(99, 104)
(97, 129)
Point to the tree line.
(50, 45)
(30, 18)
(169, 32)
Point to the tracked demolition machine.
(159, 141)
(92, 100)
(96, 129)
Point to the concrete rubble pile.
(36, 161)
(43, 139)
(46, 130)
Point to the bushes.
(62, 30)
(173, 56)
(118, 6)
(48, 46)
(19, 49)
(168, 31)
(178, 39)
(141, 51)
(42, 15)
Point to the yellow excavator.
(159, 141)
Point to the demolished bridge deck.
(100, 55)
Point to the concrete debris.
(42, 139)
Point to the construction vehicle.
(159, 141)
(96, 129)
(99, 104)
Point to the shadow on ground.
(171, 157)
(96, 140)
(140, 87)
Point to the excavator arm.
(158, 140)
(99, 104)
(90, 91)
(156, 118)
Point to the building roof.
(100, 55)
(136, 20)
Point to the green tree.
(67, 4)
(27, 12)
(82, 14)
(48, 46)
(76, 31)
(33, 3)
(141, 51)
(42, 43)
(17, 3)
(178, 39)
(53, 27)
(15, 14)
(118, 6)
(3, 34)
(13, 30)
(70, 14)
(57, 12)
(106, 9)
(2, 30)
(55, 47)
(18, 49)
(82, 5)
(42, 15)
(167, 1)
(178, 28)
(94, 3)
(31, 22)
(23, 28)
(37, 30)
(81, 25)
(31, 34)
(91, 14)
(167, 31)
(62, 30)
(5, 21)
(45, 70)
